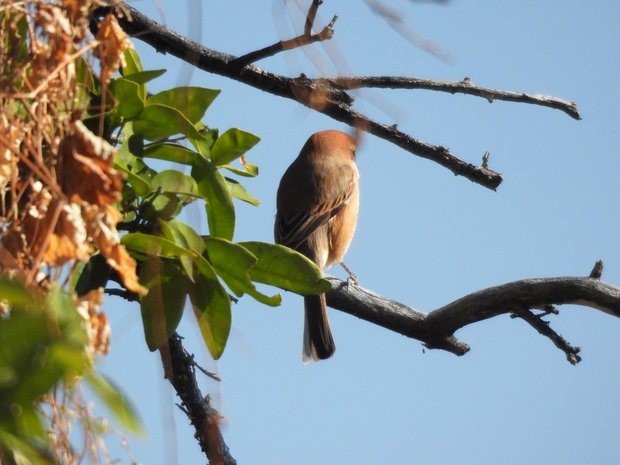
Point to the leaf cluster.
(176, 262)
(44, 343)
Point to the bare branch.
(311, 16)
(306, 38)
(179, 369)
(544, 328)
(392, 315)
(436, 329)
(318, 94)
(466, 86)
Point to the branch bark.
(327, 96)
(466, 86)
(436, 329)
(179, 369)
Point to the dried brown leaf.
(87, 167)
(97, 325)
(112, 43)
(101, 225)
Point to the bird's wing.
(293, 230)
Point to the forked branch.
(436, 329)
(306, 38)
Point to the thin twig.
(306, 38)
(311, 16)
(543, 327)
(208, 373)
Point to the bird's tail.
(318, 340)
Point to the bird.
(317, 208)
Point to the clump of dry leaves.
(58, 185)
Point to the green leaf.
(158, 121)
(94, 274)
(162, 306)
(283, 267)
(170, 152)
(249, 170)
(152, 245)
(231, 145)
(115, 401)
(231, 262)
(220, 208)
(42, 342)
(272, 301)
(15, 46)
(204, 144)
(85, 83)
(138, 183)
(129, 95)
(142, 77)
(184, 236)
(211, 305)
(33, 449)
(190, 101)
(132, 62)
(174, 182)
(238, 191)
(137, 172)
(163, 207)
(16, 295)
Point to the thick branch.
(179, 369)
(318, 94)
(436, 329)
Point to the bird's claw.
(352, 280)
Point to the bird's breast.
(341, 228)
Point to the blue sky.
(424, 238)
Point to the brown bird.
(317, 207)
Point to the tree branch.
(306, 38)
(466, 86)
(436, 329)
(179, 368)
(543, 328)
(319, 94)
(311, 16)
